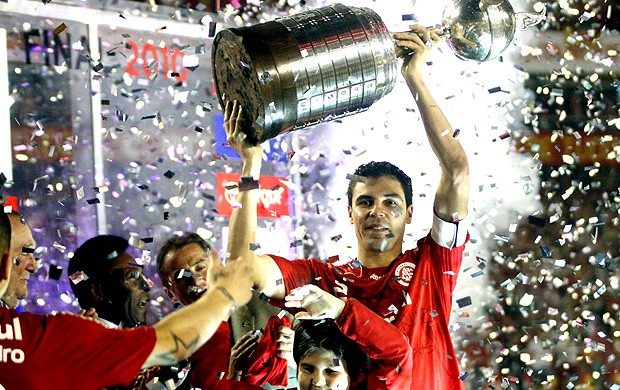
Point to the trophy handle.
(529, 19)
(402, 52)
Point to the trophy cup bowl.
(333, 61)
(479, 30)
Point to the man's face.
(127, 289)
(24, 263)
(321, 370)
(379, 214)
(188, 272)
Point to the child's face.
(321, 369)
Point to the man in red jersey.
(410, 289)
(70, 352)
(186, 265)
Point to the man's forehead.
(21, 236)
(186, 255)
(123, 260)
(378, 191)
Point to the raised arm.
(452, 197)
(244, 219)
(181, 333)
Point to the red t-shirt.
(64, 351)
(413, 293)
(209, 364)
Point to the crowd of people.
(379, 321)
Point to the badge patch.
(404, 273)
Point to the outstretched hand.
(234, 127)
(240, 352)
(318, 303)
(90, 314)
(416, 46)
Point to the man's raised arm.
(244, 219)
(452, 197)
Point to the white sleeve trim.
(449, 234)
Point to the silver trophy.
(334, 61)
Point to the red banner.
(273, 200)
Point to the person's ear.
(95, 291)
(409, 213)
(350, 211)
(5, 273)
(171, 295)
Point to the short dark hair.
(5, 234)
(93, 258)
(174, 243)
(375, 169)
(313, 335)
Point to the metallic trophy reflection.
(334, 61)
(479, 30)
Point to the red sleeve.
(72, 352)
(383, 342)
(96, 353)
(297, 273)
(447, 264)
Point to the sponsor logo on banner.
(273, 195)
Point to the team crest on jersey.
(404, 273)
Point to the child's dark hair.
(312, 335)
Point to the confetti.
(212, 27)
(263, 298)
(78, 277)
(357, 178)
(463, 302)
(59, 247)
(61, 27)
(54, 272)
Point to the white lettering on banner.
(267, 197)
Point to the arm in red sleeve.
(384, 343)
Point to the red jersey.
(391, 354)
(413, 293)
(64, 351)
(209, 364)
